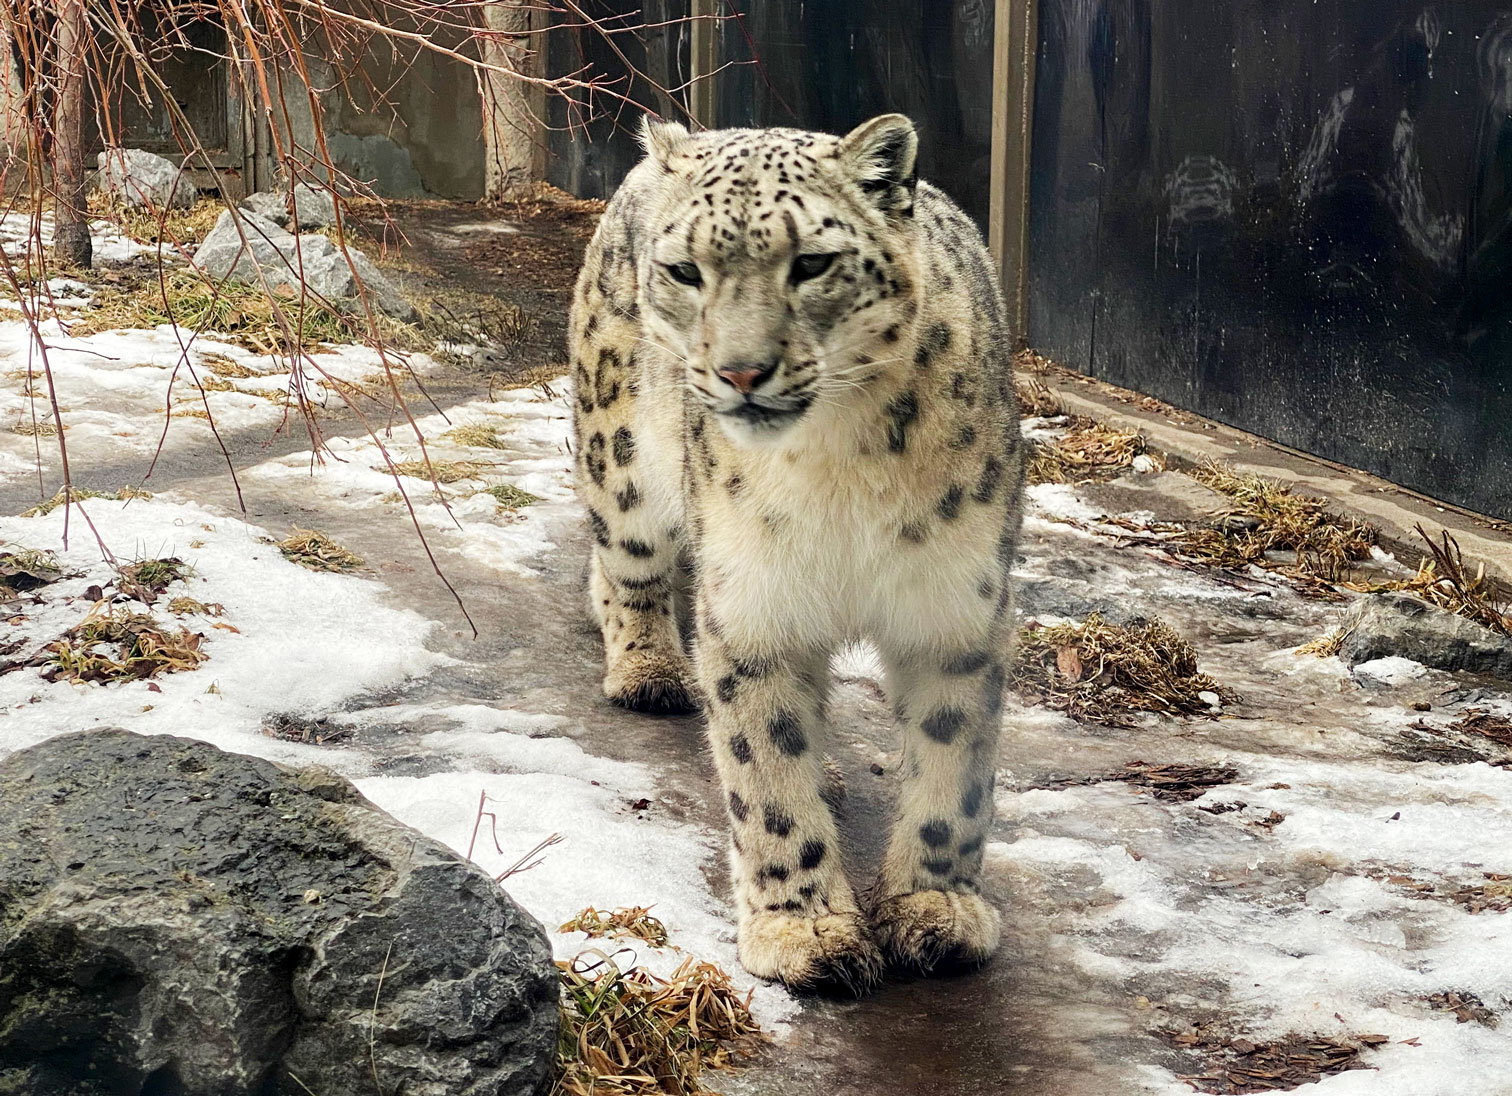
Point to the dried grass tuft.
(1097, 672)
(1325, 646)
(443, 471)
(1088, 450)
(633, 921)
(1444, 579)
(476, 435)
(155, 575)
(184, 226)
(28, 569)
(188, 606)
(317, 551)
(1035, 400)
(1267, 517)
(243, 314)
(630, 1033)
(511, 497)
(79, 494)
(119, 645)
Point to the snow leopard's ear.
(661, 139)
(880, 155)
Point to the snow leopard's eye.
(811, 266)
(686, 273)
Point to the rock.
(1386, 625)
(273, 250)
(312, 208)
(175, 919)
(144, 180)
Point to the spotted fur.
(792, 368)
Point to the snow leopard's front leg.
(799, 922)
(926, 909)
(630, 487)
(947, 689)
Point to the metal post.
(1016, 40)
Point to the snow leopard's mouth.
(758, 418)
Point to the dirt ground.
(506, 267)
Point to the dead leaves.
(1237, 1065)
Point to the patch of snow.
(610, 856)
(285, 642)
(1391, 670)
(534, 430)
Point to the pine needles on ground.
(1097, 672)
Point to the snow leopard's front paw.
(651, 681)
(831, 953)
(927, 930)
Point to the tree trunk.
(71, 243)
(512, 108)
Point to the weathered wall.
(1293, 217)
(422, 139)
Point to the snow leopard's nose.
(745, 376)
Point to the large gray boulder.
(144, 180)
(312, 208)
(175, 919)
(284, 258)
(1403, 626)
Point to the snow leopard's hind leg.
(634, 507)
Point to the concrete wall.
(423, 138)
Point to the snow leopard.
(796, 429)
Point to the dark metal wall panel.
(832, 64)
(1293, 217)
(813, 64)
(590, 159)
